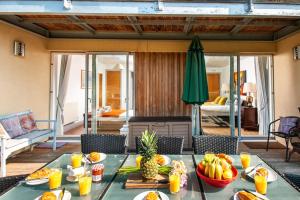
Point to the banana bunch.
(215, 167)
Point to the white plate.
(142, 195)
(67, 195)
(167, 160)
(37, 182)
(102, 157)
(235, 197)
(271, 176)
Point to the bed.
(217, 110)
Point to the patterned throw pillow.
(12, 126)
(28, 123)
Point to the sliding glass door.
(240, 95)
(110, 91)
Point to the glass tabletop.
(277, 190)
(192, 191)
(26, 192)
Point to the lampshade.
(225, 88)
(249, 87)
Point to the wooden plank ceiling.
(156, 27)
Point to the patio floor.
(27, 161)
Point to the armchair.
(288, 127)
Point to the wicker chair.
(287, 129)
(165, 145)
(216, 144)
(114, 144)
(294, 178)
(9, 181)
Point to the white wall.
(247, 63)
(24, 81)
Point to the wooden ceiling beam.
(287, 30)
(16, 20)
(82, 24)
(133, 21)
(162, 35)
(238, 28)
(157, 22)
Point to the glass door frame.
(93, 98)
(233, 57)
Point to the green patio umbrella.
(195, 90)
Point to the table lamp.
(249, 88)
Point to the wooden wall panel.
(158, 84)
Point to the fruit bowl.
(215, 182)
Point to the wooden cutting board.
(135, 180)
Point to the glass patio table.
(25, 192)
(277, 190)
(117, 191)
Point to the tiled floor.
(27, 162)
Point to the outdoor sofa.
(18, 131)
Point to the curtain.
(64, 74)
(262, 85)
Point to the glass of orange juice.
(174, 180)
(76, 159)
(261, 184)
(245, 159)
(55, 178)
(85, 185)
(138, 161)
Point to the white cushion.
(27, 138)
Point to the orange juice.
(138, 161)
(174, 180)
(261, 184)
(76, 160)
(55, 178)
(245, 159)
(85, 185)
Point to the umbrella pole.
(197, 117)
(193, 121)
(200, 122)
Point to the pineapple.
(148, 150)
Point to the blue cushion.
(286, 123)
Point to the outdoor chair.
(288, 128)
(114, 144)
(215, 144)
(9, 181)
(165, 145)
(294, 178)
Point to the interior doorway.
(110, 92)
(106, 88)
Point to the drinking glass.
(245, 159)
(174, 180)
(138, 161)
(55, 178)
(85, 185)
(76, 160)
(261, 184)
